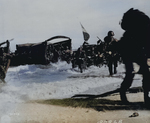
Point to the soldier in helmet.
(134, 46)
(111, 53)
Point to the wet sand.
(34, 112)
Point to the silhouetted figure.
(81, 58)
(111, 53)
(100, 53)
(4, 59)
(56, 55)
(66, 55)
(134, 46)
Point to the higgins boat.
(43, 52)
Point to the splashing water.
(32, 82)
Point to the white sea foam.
(30, 82)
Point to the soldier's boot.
(81, 69)
(123, 97)
(115, 70)
(147, 99)
(110, 68)
(110, 71)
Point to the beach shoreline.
(33, 112)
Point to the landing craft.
(43, 52)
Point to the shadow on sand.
(106, 104)
(131, 90)
(97, 102)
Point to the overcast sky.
(29, 21)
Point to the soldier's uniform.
(81, 58)
(4, 60)
(3, 66)
(134, 46)
(111, 52)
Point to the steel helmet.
(111, 33)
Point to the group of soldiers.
(102, 53)
(134, 46)
(61, 53)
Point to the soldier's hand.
(109, 52)
(148, 62)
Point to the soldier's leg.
(80, 65)
(110, 67)
(73, 63)
(126, 82)
(115, 67)
(146, 86)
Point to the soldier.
(56, 55)
(99, 53)
(81, 58)
(66, 54)
(4, 59)
(134, 46)
(111, 53)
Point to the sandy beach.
(33, 112)
(21, 98)
(49, 43)
(18, 97)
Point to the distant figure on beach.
(134, 46)
(56, 55)
(4, 59)
(81, 58)
(111, 52)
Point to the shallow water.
(31, 82)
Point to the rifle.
(99, 39)
(6, 41)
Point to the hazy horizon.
(37, 20)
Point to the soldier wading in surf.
(111, 53)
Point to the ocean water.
(59, 80)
